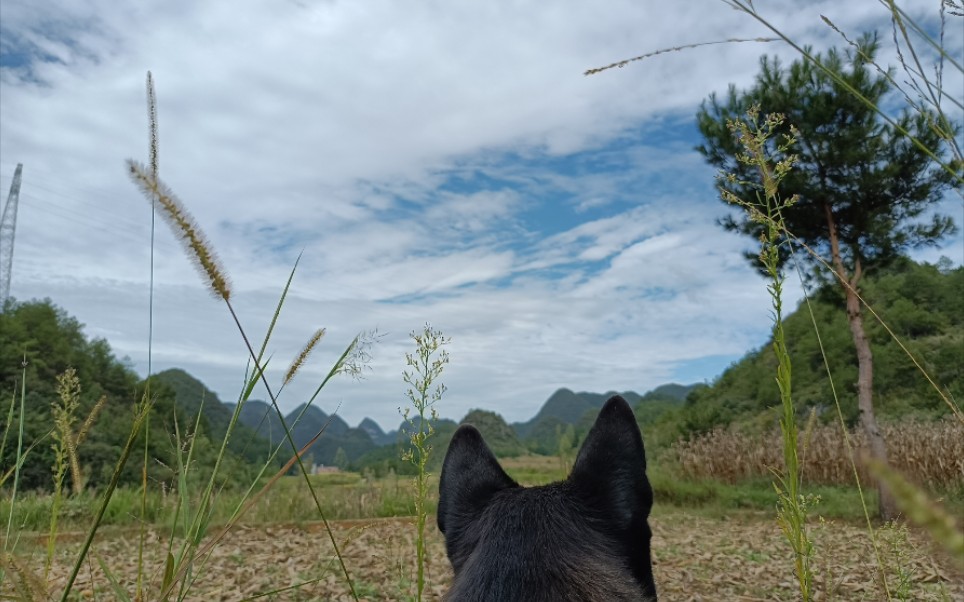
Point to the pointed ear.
(610, 470)
(470, 477)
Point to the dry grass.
(930, 454)
(738, 557)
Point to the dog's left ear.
(470, 477)
(610, 470)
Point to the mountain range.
(260, 429)
(923, 305)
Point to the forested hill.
(567, 407)
(39, 342)
(192, 397)
(922, 304)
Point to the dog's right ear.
(470, 477)
(610, 470)
(609, 475)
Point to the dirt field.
(696, 558)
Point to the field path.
(740, 558)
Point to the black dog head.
(583, 539)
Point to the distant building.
(322, 469)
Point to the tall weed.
(425, 367)
(767, 209)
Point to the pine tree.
(866, 192)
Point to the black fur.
(583, 539)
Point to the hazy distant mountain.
(378, 436)
(671, 391)
(500, 437)
(568, 411)
(260, 430)
(262, 418)
(406, 427)
(191, 396)
(568, 408)
(313, 420)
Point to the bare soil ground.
(739, 558)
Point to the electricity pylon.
(8, 230)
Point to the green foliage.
(192, 397)
(767, 211)
(425, 367)
(567, 446)
(500, 437)
(923, 299)
(543, 436)
(387, 459)
(567, 407)
(53, 342)
(341, 459)
(716, 497)
(853, 166)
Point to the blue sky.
(445, 163)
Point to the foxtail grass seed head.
(185, 229)
(152, 119)
(303, 356)
(27, 584)
(89, 422)
(624, 62)
(915, 503)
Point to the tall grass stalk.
(8, 543)
(23, 580)
(193, 526)
(622, 63)
(64, 414)
(142, 410)
(152, 151)
(65, 447)
(793, 506)
(931, 94)
(5, 473)
(425, 367)
(767, 209)
(346, 363)
(211, 270)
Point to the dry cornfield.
(930, 454)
